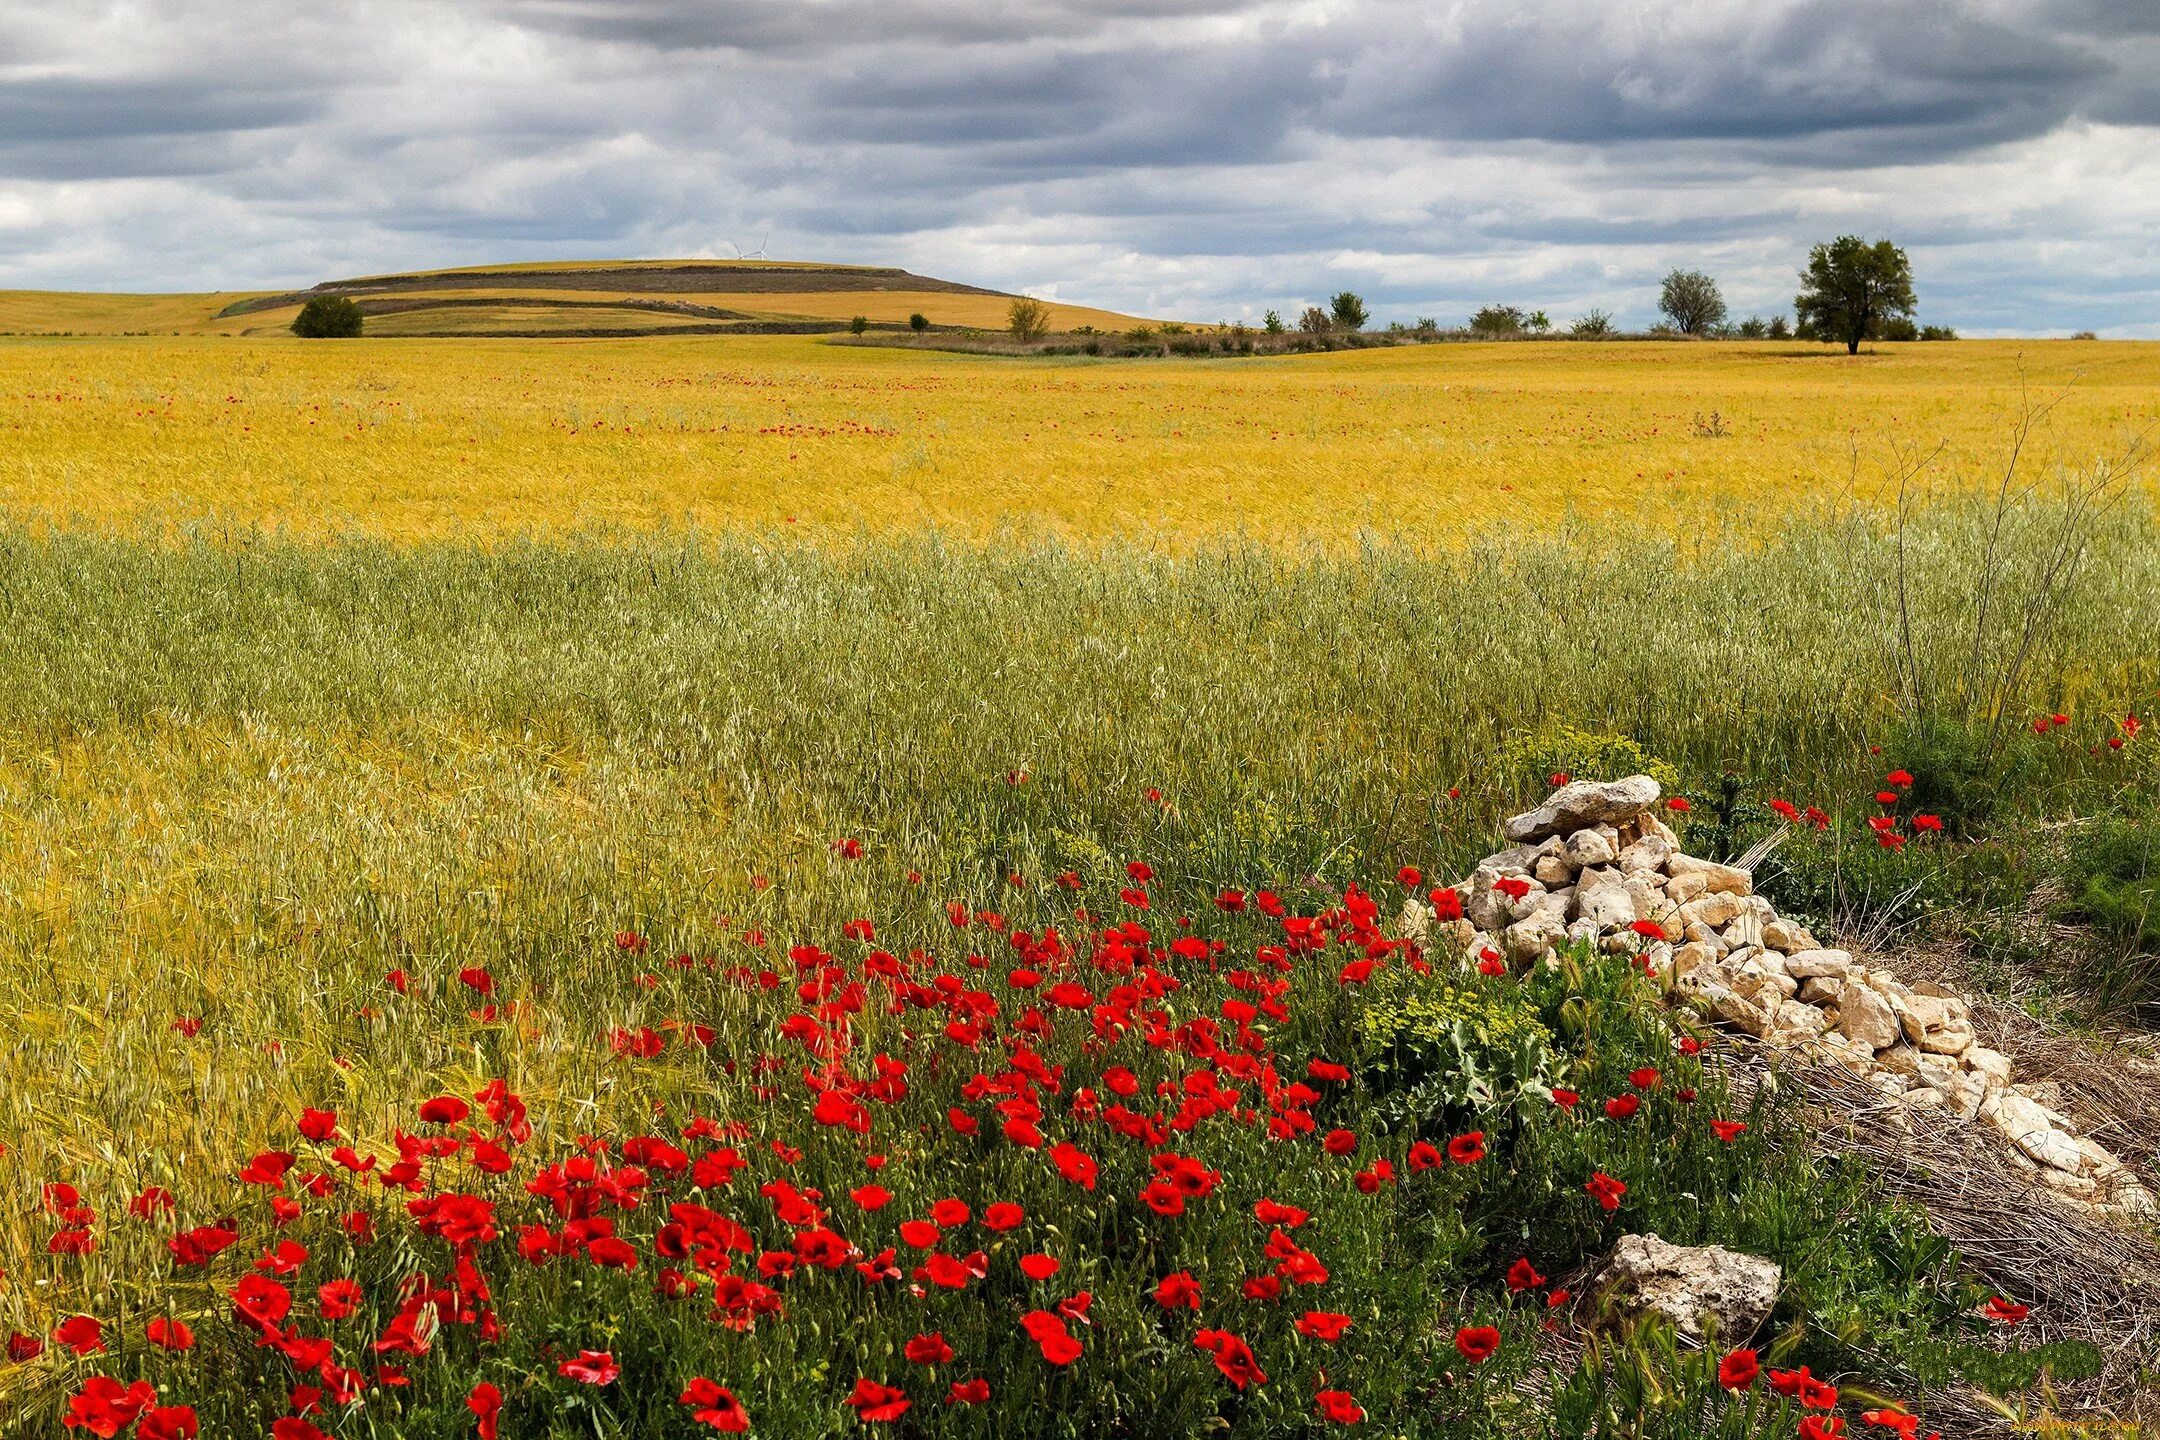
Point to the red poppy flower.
(292, 1427)
(1336, 1405)
(1728, 1130)
(1605, 1190)
(930, 1349)
(968, 1392)
(1467, 1149)
(1048, 1331)
(1409, 876)
(1522, 1275)
(81, 1334)
(1679, 804)
(1178, 1291)
(1821, 1427)
(1424, 1156)
(485, 1402)
(1232, 1357)
(1622, 1107)
(444, 1110)
(1737, 1370)
(2004, 1312)
(1338, 1142)
(169, 1334)
(105, 1407)
(1039, 1267)
(167, 1422)
(873, 1402)
(1477, 1343)
(1325, 1325)
(592, 1367)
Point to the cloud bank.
(1206, 159)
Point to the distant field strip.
(492, 439)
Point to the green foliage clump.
(1531, 760)
(1434, 1049)
(328, 317)
(1962, 772)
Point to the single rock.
(2025, 1125)
(1806, 963)
(1585, 802)
(1683, 888)
(1729, 879)
(1552, 870)
(1706, 1291)
(1714, 909)
(1991, 1063)
(1821, 990)
(1936, 1024)
(1610, 905)
(1866, 1018)
(1646, 855)
(1593, 846)
(1736, 1010)
(1535, 936)
(1781, 934)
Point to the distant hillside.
(563, 299)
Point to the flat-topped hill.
(616, 298)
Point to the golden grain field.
(493, 439)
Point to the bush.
(1937, 332)
(1592, 325)
(1315, 321)
(1527, 763)
(858, 325)
(1028, 318)
(1347, 310)
(1497, 321)
(918, 322)
(1436, 1051)
(328, 317)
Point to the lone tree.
(328, 317)
(1851, 287)
(918, 322)
(1347, 311)
(1692, 301)
(1029, 318)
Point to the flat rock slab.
(1583, 804)
(1699, 1288)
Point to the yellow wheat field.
(491, 439)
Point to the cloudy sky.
(1196, 158)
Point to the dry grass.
(487, 439)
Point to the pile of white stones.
(1594, 862)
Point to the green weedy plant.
(1435, 1053)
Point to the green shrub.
(328, 317)
(918, 322)
(1432, 1051)
(1529, 761)
(1961, 772)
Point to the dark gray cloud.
(1198, 157)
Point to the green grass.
(242, 779)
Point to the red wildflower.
(485, 1402)
(2004, 1312)
(1178, 1291)
(169, 1334)
(1409, 876)
(81, 1334)
(1522, 1275)
(592, 1367)
(1477, 1343)
(968, 1392)
(1325, 1325)
(1728, 1130)
(1338, 1406)
(167, 1422)
(1737, 1370)
(1232, 1357)
(931, 1349)
(876, 1402)
(1467, 1149)
(1039, 1267)
(1622, 1107)
(1605, 1190)
(105, 1407)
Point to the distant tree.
(1496, 320)
(1897, 327)
(1028, 318)
(1937, 332)
(1778, 330)
(1753, 328)
(859, 324)
(1592, 325)
(1538, 323)
(1272, 322)
(328, 317)
(1427, 325)
(1315, 321)
(1692, 301)
(1347, 311)
(918, 322)
(1851, 287)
